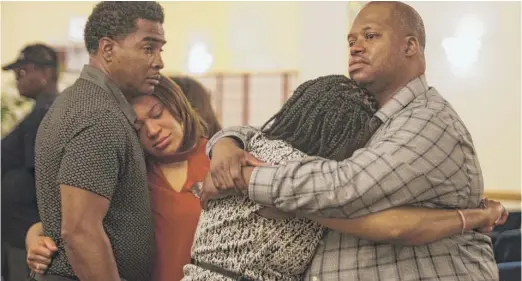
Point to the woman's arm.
(416, 226)
(35, 231)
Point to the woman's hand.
(39, 253)
(495, 214)
(226, 165)
(208, 191)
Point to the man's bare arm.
(87, 246)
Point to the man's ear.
(50, 74)
(412, 46)
(106, 46)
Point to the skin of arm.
(33, 233)
(87, 246)
(408, 225)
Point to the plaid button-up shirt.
(421, 155)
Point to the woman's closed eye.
(156, 111)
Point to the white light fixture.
(462, 50)
(199, 59)
(462, 53)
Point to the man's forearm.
(349, 189)
(90, 255)
(396, 168)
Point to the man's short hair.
(117, 19)
(408, 18)
(411, 21)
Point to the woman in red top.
(172, 136)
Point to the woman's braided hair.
(327, 117)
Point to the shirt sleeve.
(242, 134)
(415, 158)
(93, 158)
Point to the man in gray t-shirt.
(90, 171)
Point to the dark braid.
(327, 117)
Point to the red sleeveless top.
(176, 215)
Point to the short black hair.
(116, 19)
(327, 117)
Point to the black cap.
(37, 54)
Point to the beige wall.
(227, 27)
(487, 96)
(310, 37)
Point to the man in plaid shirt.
(421, 155)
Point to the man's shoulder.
(69, 120)
(435, 111)
(84, 86)
(85, 94)
(430, 105)
(84, 101)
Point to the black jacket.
(19, 209)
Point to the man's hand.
(496, 215)
(226, 163)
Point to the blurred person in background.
(36, 72)
(200, 99)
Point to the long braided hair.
(327, 117)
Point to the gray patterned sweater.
(233, 236)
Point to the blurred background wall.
(251, 55)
